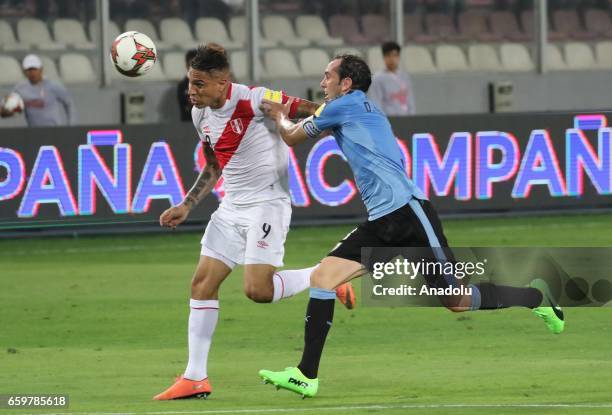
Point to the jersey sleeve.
(260, 93)
(328, 116)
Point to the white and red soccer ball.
(133, 54)
(13, 103)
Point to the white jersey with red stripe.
(253, 158)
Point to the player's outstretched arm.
(291, 133)
(305, 108)
(203, 185)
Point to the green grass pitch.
(104, 320)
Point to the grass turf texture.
(104, 320)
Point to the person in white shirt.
(391, 87)
(47, 103)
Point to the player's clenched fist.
(174, 216)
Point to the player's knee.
(319, 279)
(257, 294)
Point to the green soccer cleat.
(293, 380)
(551, 314)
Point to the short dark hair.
(390, 47)
(210, 57)
(354, 67)
(190, 55)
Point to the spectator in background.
(391, 88)
(42, 97)
(183, 89)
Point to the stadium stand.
(49, 68)
(279, 29)
(568, 24)
(8, 42)
(11, 70)
(345, 26)
(478, 24)
(175, 32)
(474, 26)
(603, 52)
(515, 57)
(579, 56)
(312, 61)
(414, 31)
(211, 29)
(239, 64)
(505, 25)
(174, 65)
(313, 28)
(76, 68)
(113, 30)
(71, 33)
(484, 58)
(473, 36)
(348, 50)
(598, 22)
(450, 58)
(417, 59)
(375, 28)
(554, 59)
(442, 27)
(528, 24)
(280, 63)
(375, 58)
(238, 30)
(35, 34)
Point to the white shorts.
(248, 234)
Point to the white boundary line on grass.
(343, 408)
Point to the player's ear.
(223, 80)
(346, 84)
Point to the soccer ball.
(13, 103)
(133, 54)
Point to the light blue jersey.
(364, 134)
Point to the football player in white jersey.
(251, 223)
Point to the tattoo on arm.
(206, 180)
(306, 108)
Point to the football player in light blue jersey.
(399, 215)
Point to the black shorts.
(415, 224)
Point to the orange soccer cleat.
(346, 295)
(186, 388)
